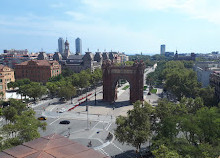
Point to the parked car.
(62, 99)
(65, 122)
(42, 118)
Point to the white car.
(62, 110)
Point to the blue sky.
(130, 26)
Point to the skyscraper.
(78, 43)
(61, 45)
(162, 49)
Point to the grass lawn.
(145, 87)
(153, 91)
(126, 87)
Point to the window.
(1, 87)
(0, 80)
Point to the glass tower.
(61, 45)
(78, 43)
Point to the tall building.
(78, 43)
(61, 45)
(162, 49)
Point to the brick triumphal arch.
(133, 74)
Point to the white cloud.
(76, 15)
(197, 9)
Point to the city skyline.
(133, 27)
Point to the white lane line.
(104, 152)
(53, 107)
(102, 146)
(107, 127)
(101, 152)
(117, 147)
(54, 121)
(88, 139)
(95, 125)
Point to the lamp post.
(95, 95)
(86, 100)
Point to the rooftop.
(51, 146)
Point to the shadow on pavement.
(129, 153)
(99, 102)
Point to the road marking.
(53, 107)
(102, 146)
(104, 152)
(95, 125)
(54, 121)
(107, 127)
(117, 147)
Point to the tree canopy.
(135, 128)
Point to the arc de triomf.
(133, 74)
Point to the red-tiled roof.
(38, 62)
(51, 146)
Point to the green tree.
(164, 152)
(208, 96)
(12, 85)
(35, 90)
(28, 125)
(165, 120)
(182, 82)
(23, 125)
(52, 87)
(67, 91)
(84, 79)
(134, 129)
(9, 113)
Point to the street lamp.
(69, 132)
(86, 100)
(95, 94)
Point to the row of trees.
(183, 130)
(68, 86)
(64, 85)
(27, 88)
(21, 124)
(186, 128)
(178, 78)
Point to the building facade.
(37, 70)
(61, 45)
(16, 52)
(6, 76)
(162, 49)
(78, 43)
(204, 70)
(215, 82)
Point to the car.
(62, 99)
(42, 118)
(65, 122)
(62, 110)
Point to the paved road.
(93, 126)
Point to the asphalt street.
(93, 126)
